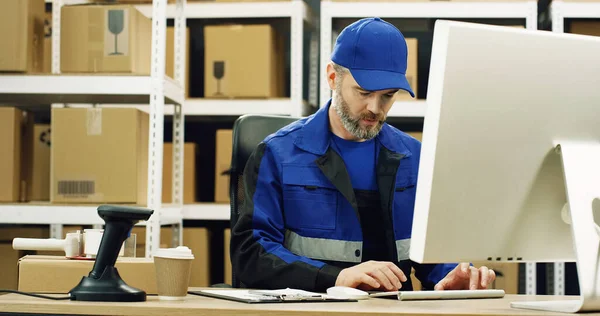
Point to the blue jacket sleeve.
(431, 274)
(259, 258)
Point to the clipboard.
(268, 296)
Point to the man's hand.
(372, 275)
(465, 277)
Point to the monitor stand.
(581, 167)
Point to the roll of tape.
(92, 239)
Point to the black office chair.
(248, 131)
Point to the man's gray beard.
(351, 124)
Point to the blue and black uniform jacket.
(299, 225)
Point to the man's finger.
(492, 274)
(381, 278)
(394, 280)
(442, 285)
(465, 269)
(397, 272)
(484, 277)
(367, 279)
(474, 281)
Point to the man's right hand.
(372, 275)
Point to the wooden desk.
(198, 305)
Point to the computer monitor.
(511, 133)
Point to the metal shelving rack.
(138, 91)
(155, 90)
(559, 11)
(451, 10)
(301, 19)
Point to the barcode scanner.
(104, 283)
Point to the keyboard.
(442, 295)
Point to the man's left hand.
(466, 277)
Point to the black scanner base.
(108, 288)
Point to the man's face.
(362, 112)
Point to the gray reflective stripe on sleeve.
(323, 249)
(403, 249)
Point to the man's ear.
(331, 77)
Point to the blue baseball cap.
(375, 51)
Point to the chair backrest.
(248, 131)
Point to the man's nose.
(373, 105)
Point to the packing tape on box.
(94, 121)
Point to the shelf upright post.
(157, 108)
(179, 119)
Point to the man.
(329, 199)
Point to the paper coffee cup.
(173, 269)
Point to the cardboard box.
(22, 25)
(227, 257)
(585, 28)
(36, 163)
(425, 0)
(55, 274)
(9, 257)
(412, 70)
(99, 155)
(189, 173)
(198, 240)
(47, 59)
(140, 231)
(417, 135)
(243, 61)
(105, 39)
(170, 58)
(10, 154)
(251, 0)
(8, 265)
(8, 233)
(224, 148)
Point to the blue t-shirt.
(360, 159)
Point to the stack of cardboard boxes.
(23, 36)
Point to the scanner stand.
(104, 283)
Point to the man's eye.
(364, 94)
(390, 95)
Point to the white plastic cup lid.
(181, 252)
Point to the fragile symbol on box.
(116, 24)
